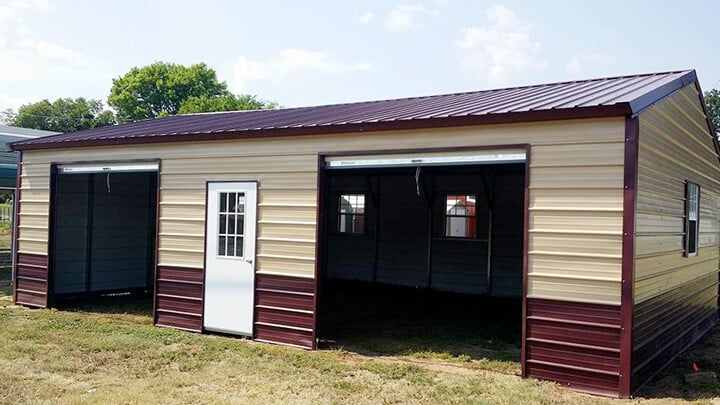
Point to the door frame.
(52, 190)
(321, 226)
(205, 236)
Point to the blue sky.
(317, 52)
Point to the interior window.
(231, 224)
(692, 210)
(460, 216)
(351, 213)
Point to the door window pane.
(223, 202)
(223, 223)
(221, 246)
(241, 225)
(232, 202)
(240, 202)
(239, 246)
(231, 246)
(231, 223)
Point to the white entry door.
(229, 257)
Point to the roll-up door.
(426, 159)
(120, 167)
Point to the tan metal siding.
(33, 209)
(575, 192)
(674, 146)
(575, 233)
(675, 296)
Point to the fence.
(6, 212)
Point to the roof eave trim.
(614, 110)
(711, 126)
(655, 95)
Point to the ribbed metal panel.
(666, 325)
(574, 344)
(31, 280)
(179, 298)
(675, 296)
(285, 310)
(595, 97)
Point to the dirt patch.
(432, 365)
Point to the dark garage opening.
(426, 259)
(104, 234)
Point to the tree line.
(162, 89)
(712, 100)
(157, 90)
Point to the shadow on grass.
(5, 281)
(706, 355)
(135, 303)
(379, 320)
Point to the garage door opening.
(104, 232)
(424, 258)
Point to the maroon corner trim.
(632, 129)
(16, 228)
(51, 237)
(157, 242)
(204, 270)
(526, 243)
(319, 232)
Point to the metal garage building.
(595, 201)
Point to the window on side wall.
(460, 216)
(351, 214)
(692, 218)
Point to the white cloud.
(49, 50)
(24, 57)
(366, 18)
(580, 62)
(39, 5)
(288, 64)
(501, 49)
(8, 19)
(404, 16)
(7, 13)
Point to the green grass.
(109, 352)
(5, 234)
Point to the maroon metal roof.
(614, 96)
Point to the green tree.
(712, 100)
(61, 115)
(160, 89)
(227, 102)
(7, 116)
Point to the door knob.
(249, 261)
